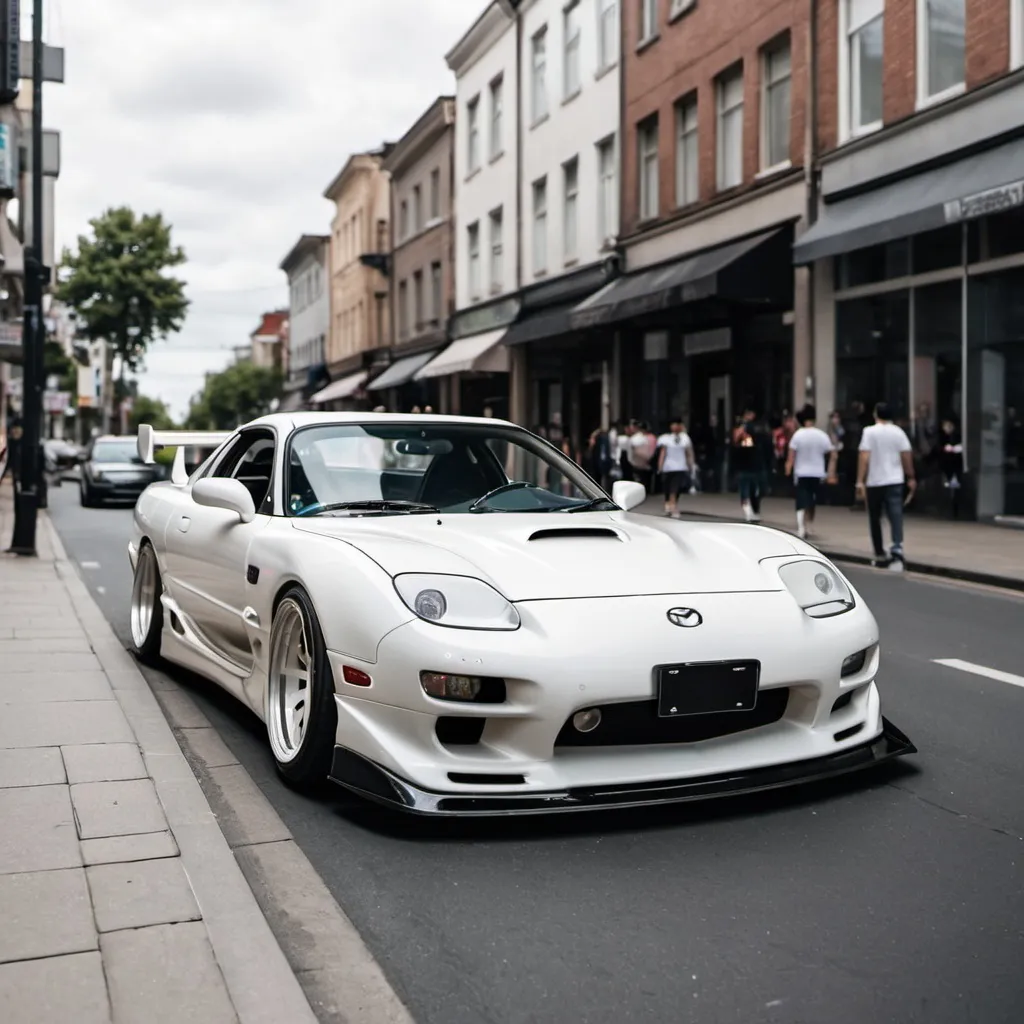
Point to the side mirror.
(226, 494)
(627, 494)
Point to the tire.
(301, 716)
(85, 496)
(147, 611)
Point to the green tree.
(151, 411)
(117, 284)
(236, 395)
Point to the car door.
(207, 548)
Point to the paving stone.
(55, 990)
(143, 893)
(206, 746)
(103, 762)
(34, 766)
(165, 975)
(244, 813)
(45, 632)
(181, 710)
(116, 808)
(43, 663)
(37, 830)
(60, 723)
(124, 849)
(24, 688)
(63, 644)
(45, 913)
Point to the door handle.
(184, 523)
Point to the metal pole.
(27, 496)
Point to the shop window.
(938, 250)
(937, 370)
(991, 238)
(872, 353)
(874, 264)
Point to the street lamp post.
(27, 495)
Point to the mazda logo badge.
(688, 618)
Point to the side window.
(250, 460)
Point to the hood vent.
(578, 532)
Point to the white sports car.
(448, 616)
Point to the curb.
(259, 980)
(919, 568)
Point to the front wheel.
(301, 715)
(85, 496)
(147, 611)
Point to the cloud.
(230, 117)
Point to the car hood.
(543, 557)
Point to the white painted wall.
(310, 312)
(494, 184)
(572, 128)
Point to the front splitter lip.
(370, 780)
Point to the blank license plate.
(708, 688)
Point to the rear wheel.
(147, 611)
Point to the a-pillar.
(518, 385)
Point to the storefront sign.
(56, 403)
(655, 346)
(717, 340)
(981, 204)
(479, 319)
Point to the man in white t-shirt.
(885, 475)
(809, 447)
(675, 464)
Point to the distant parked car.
(113, 471)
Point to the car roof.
(115, 437)
(294, 420)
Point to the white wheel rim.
(290, 686)
(144, 596)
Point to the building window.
(570, 210)
(473, 232)
(729, 158)
(607, 191)
(403, 220)
(435, 194)
(940, 48)
(648, 19)
(403, 309)
(647, 151)
(607, 33)
(860, 68)
(1016, 33)
(417, 300)
(417, 208)
(436, 293)
(775, 105)
(495, 146)
(539, 90)
(571, 57)
(540, 226)
(473, 134)
(687, 153)
(497, 251)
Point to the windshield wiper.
(594, 505)
(515, 485)
(373, 505)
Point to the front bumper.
(370, 780)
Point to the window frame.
(608, 219)
(648, 21)
(572, 44)
(473, 135)
(644, 131)
(418, 221)
(571, 198)
(685, 138)
(496, 240)
(608, 9)
(435, 195)
(783, 44)
(403, 308)
(847, 129)
(495, 141)
(1016, 34)
(436, 291)
(721, 112)
(419, 311)
(473, 259)
(539, 226)
(923, 65)
(538, 76)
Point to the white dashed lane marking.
(981, 670)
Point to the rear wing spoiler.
(150, 439)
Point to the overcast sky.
(231, 117)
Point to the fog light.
(854, 663)
(587, 721)
(448, 687)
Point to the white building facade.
(308, 274)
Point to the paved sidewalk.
(120, 900)
(964, 550)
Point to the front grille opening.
(842, 701)
(845, 734)
(459, 731)
(854, 664)
(483, 779)
(637, 723)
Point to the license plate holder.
(707, 688)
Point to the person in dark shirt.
(751, 457)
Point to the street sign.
(56, 403)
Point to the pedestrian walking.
(675, 464)
(949, 453)
(641, 451)
(885, 478)
(751, 458)
(806, 462)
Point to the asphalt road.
(897, 896)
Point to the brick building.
(916, 250)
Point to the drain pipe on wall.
(811, 144)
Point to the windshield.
(116, 451)
(452, 468)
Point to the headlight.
(462, 602)
(97, 474)
(819, 590)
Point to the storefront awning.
(984, 183)
(400, 372)
(547, 323)
(346, 387)
(671, 284)
(479, 353)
